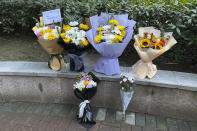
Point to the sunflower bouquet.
(111, 33)
(73, 36)
(48, 36)
(149, 44)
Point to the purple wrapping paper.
(108, 63)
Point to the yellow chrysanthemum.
(100, 32)
(84, 43)
(97, 39)
(84, 27)
(100, 29)
(121, 28)
(117, 38)
(123, 33)
(115, 22)
(63, 35)
(66, 27)
(66, 40)
(158, 46)
(42, 32)
(51, 37)
(49, 30)
(145, 43)
(86, 83)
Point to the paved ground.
(20, 116)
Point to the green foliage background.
(177, 16)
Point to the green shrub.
(169, 15)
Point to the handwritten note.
(51, 16)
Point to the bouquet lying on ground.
(74, 37)
(126, 91)
(149, 44)
(109, 36)
(85, 88)
(48, 38)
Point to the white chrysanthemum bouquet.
(75, 33)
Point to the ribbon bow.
(82, 107)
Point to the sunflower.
(158, 46)
(42, 32)
(49, 30)
(66, 27)
(145, 43)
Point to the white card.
(51, 16)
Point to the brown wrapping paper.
(87, 21)
(144, 67)
(53, 48)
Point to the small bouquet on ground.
(75, 42)
(85, 88)
(110, 36)
(149, 44)
(48, 36)
(126, 91)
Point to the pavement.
(23, 116)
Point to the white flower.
(94, 84)
(46, 35)
(124, 79)
(116, 30)
(74, 23)
(120, 82)
(131, 79)
(106, 27)
(158, 40)
(141, 35)
(149, 36)
(79, 85)
(122, 88)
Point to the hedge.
(178, 17)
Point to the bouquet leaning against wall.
(48, 36)
(149, 44)
(74, 41)
(126, 92)
(85, 88)
(109, 36)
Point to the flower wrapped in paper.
(109, 36)
(149, 44)
(85, 88)
(74, 38)
(48, 38)
(126, 92)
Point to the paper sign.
(51, 16)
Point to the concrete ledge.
(170, 79)
(169, 93)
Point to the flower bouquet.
(75, 42)
(149, 44)
(48, 38)
(85, 88)
(110, 36)
(126, 91)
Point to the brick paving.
(21, 116)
